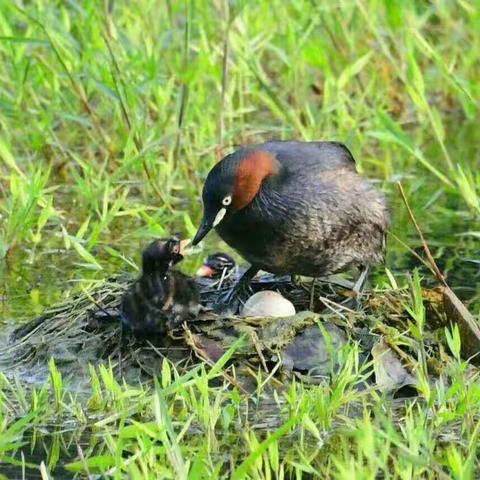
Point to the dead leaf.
(315, 349)
(390, 374)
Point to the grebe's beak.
(208, 222)
(205, 227)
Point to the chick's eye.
(227, 200)
(175, 249)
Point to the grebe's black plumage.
(216, 265)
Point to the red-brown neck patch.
(251, 172)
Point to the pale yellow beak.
(183, 244)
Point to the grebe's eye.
(176, 249)
(227, 200)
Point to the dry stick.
(469, 329)
(434, 267)
(436, 270)
(410, 249)
(257, 347)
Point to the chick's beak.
(205, 227)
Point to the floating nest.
(86, 330)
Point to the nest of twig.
(87, 330)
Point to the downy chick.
(161, 298)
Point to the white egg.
(268, 303)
